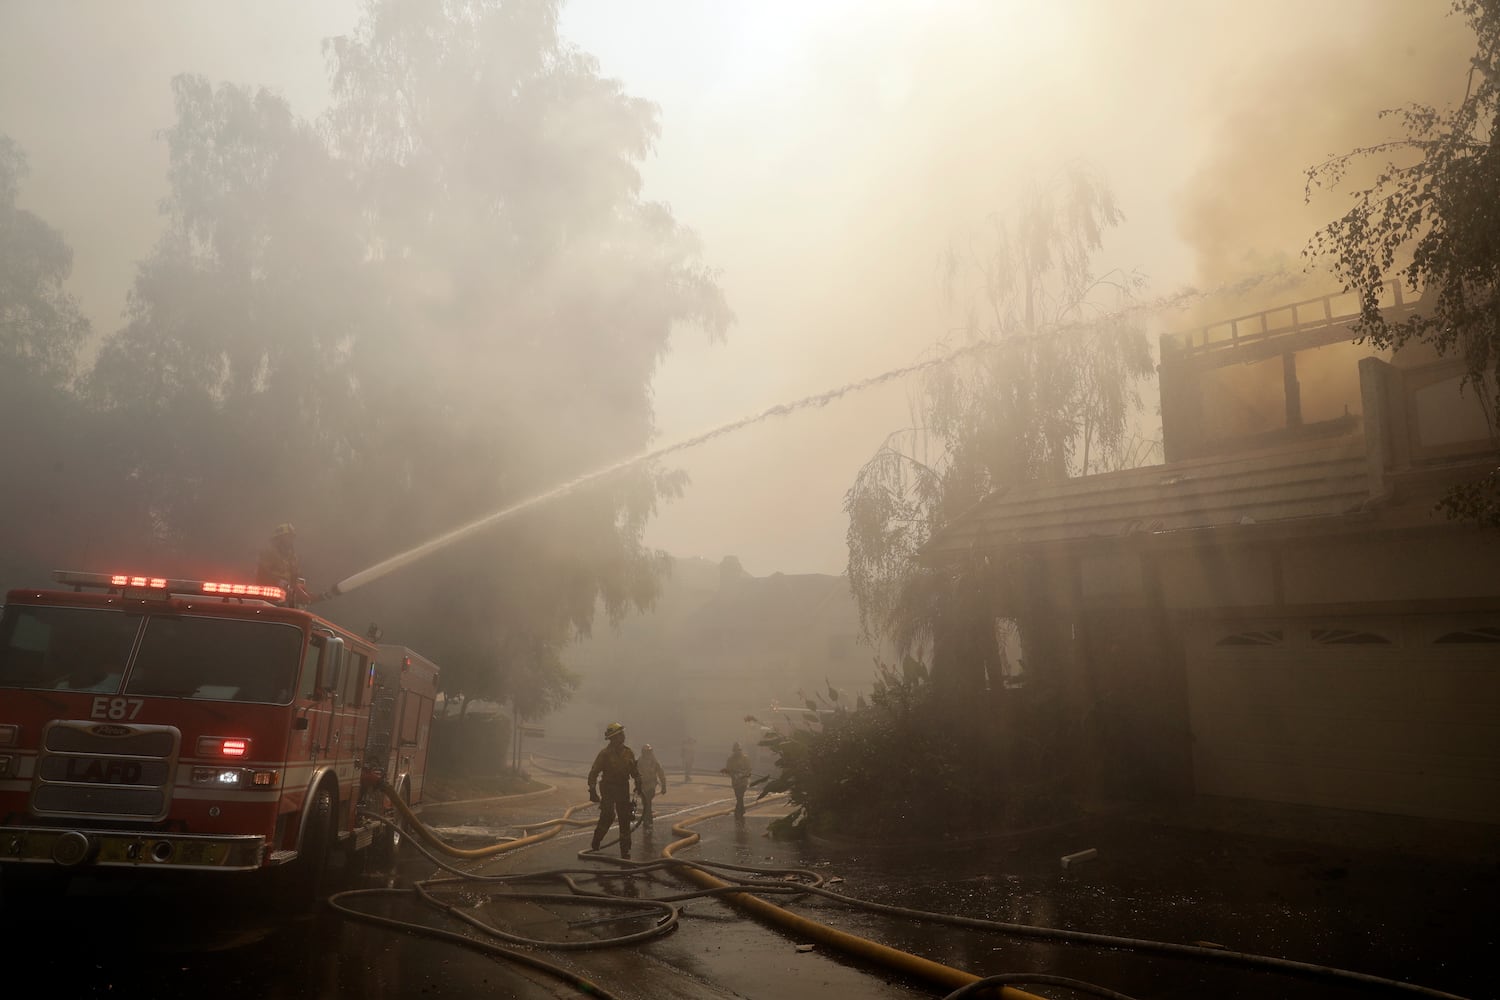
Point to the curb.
(517, 797)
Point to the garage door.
(1390, 714)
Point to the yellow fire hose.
(914, 966)
(893, 958)
(548, 829)
(904, 962)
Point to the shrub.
(906, 761)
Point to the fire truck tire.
(301, 882)
(388, 840)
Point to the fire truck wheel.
(302, 880)
(388, 840)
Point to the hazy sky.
(826, 153)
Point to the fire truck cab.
(154, 724)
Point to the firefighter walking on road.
(610, 780)
(652, 775)
(738, 769)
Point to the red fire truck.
(158, 724)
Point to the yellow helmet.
(612, 730)
(284, 528)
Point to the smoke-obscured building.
(719, 646)
(1278, 612)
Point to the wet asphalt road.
(1398, 912)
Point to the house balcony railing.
(1308, 316)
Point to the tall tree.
(1430, 216)
(232, 366)
(441, 299)
(1430, 220)
(41, 327)
(500, 171)
(62, 490)
(1046, 391)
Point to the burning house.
(1278, 613)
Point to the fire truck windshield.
(86, 649)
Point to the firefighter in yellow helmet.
(278, 566)
(614, 771)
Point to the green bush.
(907, 763)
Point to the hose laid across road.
(716, 879)
(520, 955)
(548, 830)
(738, 893)
(851, 944)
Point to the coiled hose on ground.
(730, 882)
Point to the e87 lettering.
(116, 709)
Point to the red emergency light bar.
(125, 581)
(245, 590)
(121, 580)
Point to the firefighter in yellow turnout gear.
(614, 771)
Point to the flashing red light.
(153, 582)
(223, 746)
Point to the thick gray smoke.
(827, 154)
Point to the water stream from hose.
(411, 555)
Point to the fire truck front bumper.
(129, 849)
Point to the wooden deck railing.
(1334, 309)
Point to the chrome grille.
(115, 770)
(142, 741)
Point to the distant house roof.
(784, 603)
(1318, 479)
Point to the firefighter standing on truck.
(278, 566)
(614, 771)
